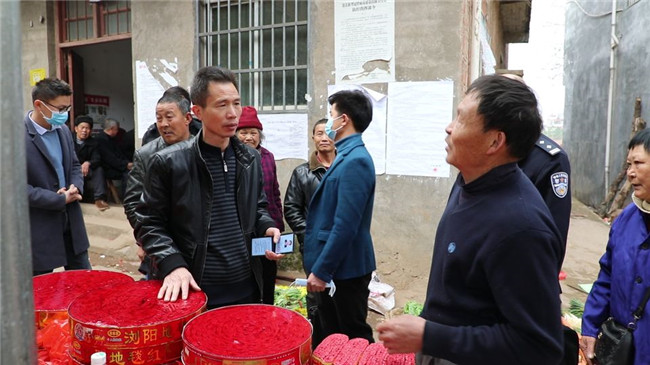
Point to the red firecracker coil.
(351, 352)
(254, 334)
(374, 354)
(327, 350)
(54, 292)
(130, 324)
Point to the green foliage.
(413, 308)
(576, 308)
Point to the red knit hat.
(249, 118)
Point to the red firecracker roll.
(374, 354)
(247, 334)
(130, 324)
(400, 359)
(327, 350)
(351, 352)
(54, 292)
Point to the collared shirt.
(53, 144)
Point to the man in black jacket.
(203, 201)
(87, 150)
(305, 179)
(195, 125)
(172, 119)
(116, 166)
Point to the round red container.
(130, 324)
(254, 334)
(54, 292)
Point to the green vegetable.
(413, 308)
(576, 308)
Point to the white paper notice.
(286, 135)
(148, 91)
(418, 113)
(375, 136)
(364, 41)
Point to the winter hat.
(249, 118)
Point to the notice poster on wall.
(418, 113)
(96, 106)
(148, 91)
(364, 41)
(286, 135)
(374, 137)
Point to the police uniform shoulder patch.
(560, 184)
(548, 145)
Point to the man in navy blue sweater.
(492, 296)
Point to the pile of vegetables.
(291, 297)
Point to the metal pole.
(16, 302)
(610, 95)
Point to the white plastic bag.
(382, 295)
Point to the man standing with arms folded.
(492, 296)
(54, 182)
(338, 246)
(203, 201)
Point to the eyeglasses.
(61, 109)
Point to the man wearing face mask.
(338, 247)
(54, 182)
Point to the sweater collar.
(491, 179)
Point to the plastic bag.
(382, 295)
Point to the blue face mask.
(58, 118)
(331, 133)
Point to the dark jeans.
(269, 273)
(345, 313)
(74, 261)
(97, 183)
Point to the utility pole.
(17, 342)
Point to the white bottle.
(98, 358)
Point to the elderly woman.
(625, 267)
(249, 131)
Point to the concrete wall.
(407, 209)
(586, 75)
(37, 42)
(164, 30)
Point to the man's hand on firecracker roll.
(177, 282)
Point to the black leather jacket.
(173, 217)
(304, 181)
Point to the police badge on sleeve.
(560, 183)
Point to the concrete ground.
(113, 248)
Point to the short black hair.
(511, 107)
(50, 89)
(84, 119)
(181, 102)
(356, 105)
(642, 137)
(203, 78)
(178, 90)
(320, 121)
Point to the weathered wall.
(407, 209)
(164, 30)
(37, 42)
(586, 75)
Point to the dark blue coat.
(337, 237)
(47, 209)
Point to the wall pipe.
(610, 98)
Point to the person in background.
(305, 179)
(338, 245)
(87, 151)
(493, 296)
(203, 201)
(249, 131)
(172, 119)
(195, 125)
(54, 182)
(116, 166)
(624, 275)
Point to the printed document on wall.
(286, 135)
(374, 137)
(148, 91)
(364, 41)
(418, 113)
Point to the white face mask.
(331, 133)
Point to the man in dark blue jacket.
(493, 296)
(338, 246)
